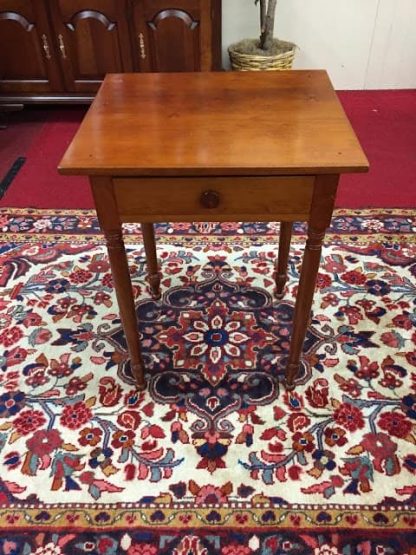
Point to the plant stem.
(262, 15)
(266, 38)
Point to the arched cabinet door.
(173, 35)
(27, 59)
(92, 39)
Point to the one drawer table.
(215, 147)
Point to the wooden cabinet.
(27, 62)
(174, 36)
(92, 40)
(60, 50)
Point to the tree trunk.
(262, 15)
(266, 39)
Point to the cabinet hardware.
(62, 46)
(46, 48)
(142, 46)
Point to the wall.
(364, 44)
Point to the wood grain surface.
(225, 123)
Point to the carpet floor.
(23, 129)
(214, 457)
(385, 122)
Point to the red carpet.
(385, 122)
(38, 184)
(24, 127)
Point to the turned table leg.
(124, 293)
(153, 272)
(320, 217)
(283, 257)
(106, 206)
(309, 272)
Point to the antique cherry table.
(215, 147)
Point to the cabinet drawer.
(213, 198)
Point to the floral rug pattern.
(215, 454)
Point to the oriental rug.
(215, 456)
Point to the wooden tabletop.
(228, 123)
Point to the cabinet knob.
(210, 199)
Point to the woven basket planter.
(254, 62)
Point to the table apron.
(144, 199)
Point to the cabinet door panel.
(92, 38)
(27, 61)
(172, 35)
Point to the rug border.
(332, 236)
(120, 516)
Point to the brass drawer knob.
(210, 199)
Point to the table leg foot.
(289, 386)
(292, 371)
(138, 374)
(154, 283)
(278, 292)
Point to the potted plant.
(266, 52)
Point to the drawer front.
(213, 198)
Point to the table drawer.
(213, 198)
